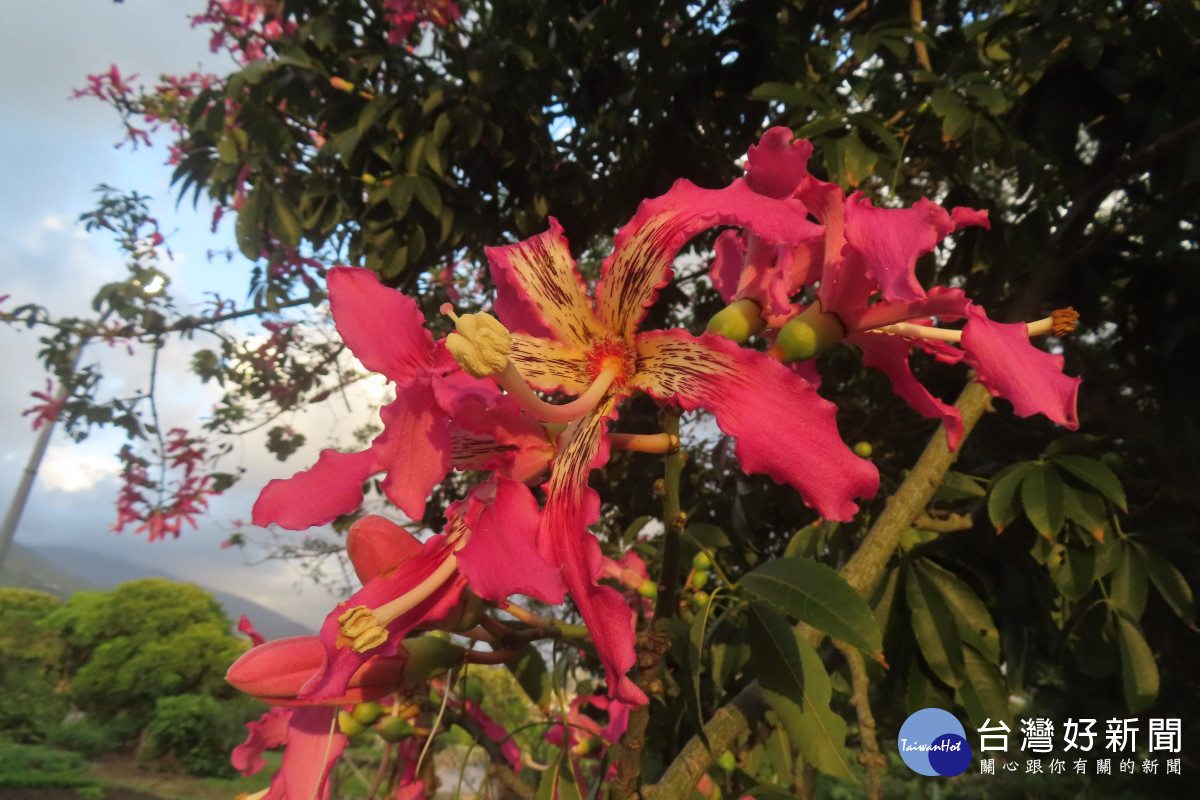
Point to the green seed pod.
(699, 578)
(699, 600)
(863, 449)
(701, 560)
(811, 333)
(348, 725)
(727, 761)
(394, 729)
(648, 589)
(738, 321)
(366, 713)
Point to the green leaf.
(227, 149)
(935, 629)
(786, 93)
(813, 593)
(796, 686)
(248, 228)
(1169, 582)
(1086, 510)
(428, 195)
(558, 782)
(857, 159)
(284, 221)
(775, 654)
(1129, 583)
(529, 668)
(983, 693)
(400, 194)
(1073, 571)
(1139, 673)
(1002, 506)
(1096, 475)
(706, 535)
(975, 625)
(1042, 497)
(957, 486)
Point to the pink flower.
(48, 410)
(863, 267)
(489, 543)
(564, 341)
(440, 418)
(401, 15)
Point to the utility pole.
(17, 505)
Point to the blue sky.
(54, 151)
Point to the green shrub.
(37, 767)
(197, 729)
(85, 737)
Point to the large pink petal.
(539, 290)
(941, 302)
(314, 743)
(645, 247)
(319, 494)
(266, 733)
(501, 557)
(888, 241)
(570, 507)
(1010, 366)
(382, 327)
(783, 428)
(889, 355)
(414, 447)
(776, 165)
(729, 259)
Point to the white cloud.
(67, 469)
(52, 222)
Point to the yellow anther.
(369, 640)
(480, 344)
(361, 625)
(1063, 321)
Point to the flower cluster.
(477, 399)
(161, 507)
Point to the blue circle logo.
(933, 742)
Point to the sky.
(54, 151)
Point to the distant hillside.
(59, 571)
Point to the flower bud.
(648, 589)
(738, 321)
(863, 449)
(701, 561)
(809, 334)
(699, 578)
(276, 673)
(341, 84)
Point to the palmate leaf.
(1002, 505)
(1139, 673)
(1169, 582)
(1042, 496)
(1096, 475)
(814, 594)
(935, 629)
(795, 684)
